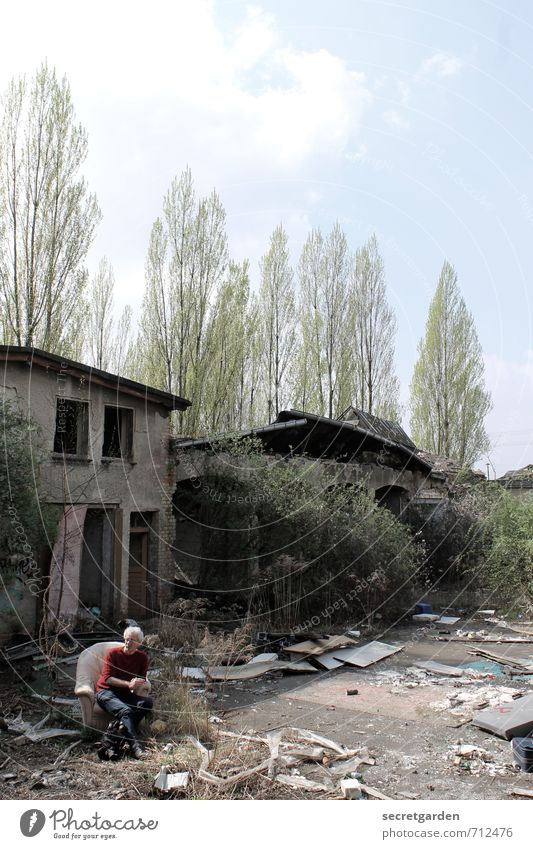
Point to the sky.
(409, 120)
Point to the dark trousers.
(127, 707)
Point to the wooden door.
(138, 582)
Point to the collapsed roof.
(359, 436)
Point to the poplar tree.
(186, 262)
(376, 388)
(323, 359)
(47, 215)
(449, 400)
(277, 322)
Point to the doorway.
(140, 603)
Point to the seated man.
(123, 672)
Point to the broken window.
(118, 432)
(72, 427)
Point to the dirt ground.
(408, 723)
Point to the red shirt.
(118, 664)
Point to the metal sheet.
(366, 655)
(329, 660)
(316, 647)
(254, 670)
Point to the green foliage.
(377, 389)
(25, 523)
(277, 321)
(449, 401)
(47, 216)
(300, 541)
(508, 569)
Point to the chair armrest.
(85, 690)
(87, 706)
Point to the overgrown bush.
(507, 570)
(26, 524)
(182, 711)
(300, 543)
(453, 538)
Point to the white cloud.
(246, 94)
(393, 118)
(442, 65)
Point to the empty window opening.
(118, 432)
(72, 432)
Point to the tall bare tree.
(449, 401)
(376, 387)
(47, 216)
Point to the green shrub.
(308, 543)
(26, 524)
(508, 568)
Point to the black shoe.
(137, 751)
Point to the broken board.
(329, 660)
(367, 655)
(254, 670)
(509, 720)
(311, 648)
(440, 668)
(266, 657)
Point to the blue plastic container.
(423, 607)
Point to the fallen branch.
(207, 754)
(64, 755)
(233, 779)
(311, 737)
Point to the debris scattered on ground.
(505, 660)
(319, 769)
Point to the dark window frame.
(117, 443)
(71, 435)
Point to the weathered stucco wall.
(142, 484)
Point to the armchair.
(88, 670)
